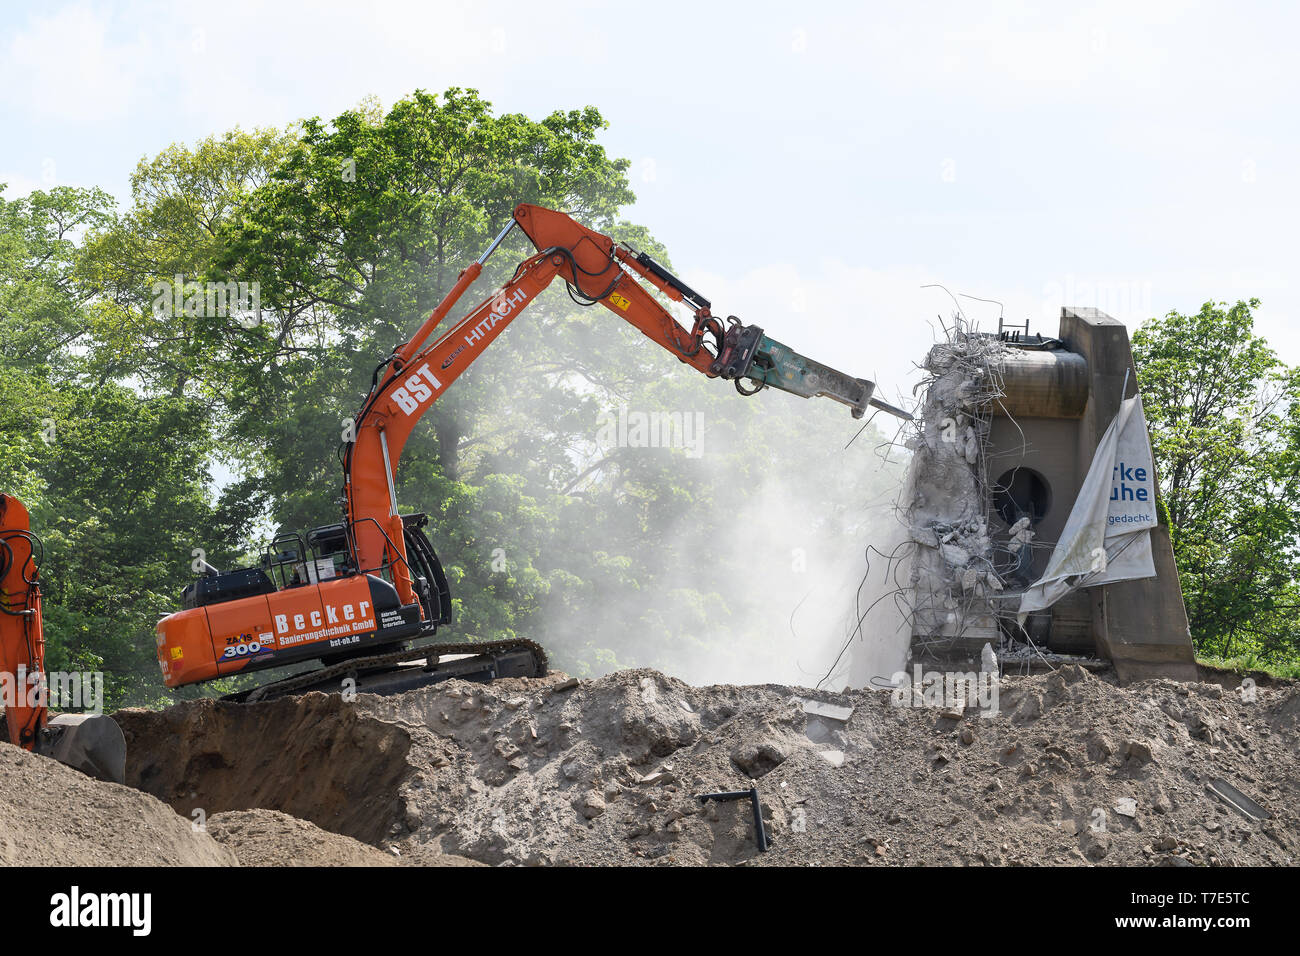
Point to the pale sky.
(809, 166)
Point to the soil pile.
(271, 838)
(1070, 769)
(313, 757)
(52, 815)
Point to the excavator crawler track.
(386, 673)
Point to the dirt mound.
(312, 757)
(271, 838)
(528, 773)
(52, 815)
(1072, 769)
(1069, 769)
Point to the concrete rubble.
(1071, 769)
(953, 577)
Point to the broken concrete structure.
(1008, 429)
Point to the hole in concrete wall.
(1020, 492)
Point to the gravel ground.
(52, 815)
(1068, 769)
(1072, 770)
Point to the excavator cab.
(307, 599)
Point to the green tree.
(361, 231)
(41, 302)
(181, 201)
(1222, 410)
(41, 320)
(126, 500)
(116, 478)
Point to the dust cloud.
(798, 589)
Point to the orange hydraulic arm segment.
(596, 269)
(396, 403)
(22, 645)
(88, 741)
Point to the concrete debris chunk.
(1140, 751)
(592, 804)
(819, 708)
(655, 779)
(758, 758)
(833, 757)
(956, 556)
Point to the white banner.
(1107, 537)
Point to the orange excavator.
(356, 595)
(89, 741)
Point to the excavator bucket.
(91, 743)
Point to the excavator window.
(283, 558)
(231, 586)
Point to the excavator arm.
(597, 270)
(91, 742)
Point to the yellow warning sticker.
(617, 300)
(177, 653)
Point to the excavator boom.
(597, 270)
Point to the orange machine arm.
(22, 645)
(91, 742)
(596, 269)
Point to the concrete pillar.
(1139, 625)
